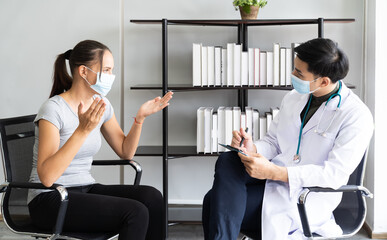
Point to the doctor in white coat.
(317, 139)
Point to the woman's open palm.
(154, 105)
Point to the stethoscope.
(297, 157)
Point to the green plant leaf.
(246, 9)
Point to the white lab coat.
(325, 162)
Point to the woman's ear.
(82, 71)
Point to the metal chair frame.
(9, 184)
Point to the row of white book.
(217, 66)
(216, 127)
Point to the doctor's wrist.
(280, 173)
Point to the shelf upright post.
(320, 23)
(165, 123)
(245, 48)
(243, 39)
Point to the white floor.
(176, 232)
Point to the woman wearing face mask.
(68, 134)
(317, 139)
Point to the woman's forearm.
(50, 169)
(130, 143)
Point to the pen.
(240, 145)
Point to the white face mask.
(301, 86)
(103, 84)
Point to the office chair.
(350, 213)
(17, 139)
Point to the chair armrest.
(345, 188)
(305, 192)
(135, 165)
(59, 188)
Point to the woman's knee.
(136, 213)
(150, 196)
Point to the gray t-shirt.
(58, 112)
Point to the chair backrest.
(17, 140)
(350, 214)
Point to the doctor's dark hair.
(324, 58)
(87, 52)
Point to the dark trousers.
(234, 203)
(135, 212)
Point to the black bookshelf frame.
(170, 152)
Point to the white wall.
(34, 32)
(375, 98)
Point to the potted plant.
(249, 8)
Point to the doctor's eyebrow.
(299, 72)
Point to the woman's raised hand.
(153, 106)
(90, 118)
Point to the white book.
(221, 128)
(256, 66)
(211, 65)
(218, 66)
(230, 64)
(276, 64)
(245, 69)
(207, 129)
(243, 120)
(293, 46)
(282, 66)
(214, 134)
(236, 117)
(269, 69)
(237, 64)
(262, 127)
(251, 66)
(200, 130)
(269, 118)
(197, 64)
(228, 125)
(262, 69)
(224, 68)
(204, 66)
(249, 119)
(255, 129)
(274, 111)
(288, 67)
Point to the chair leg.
(246, 238)
(53, 237)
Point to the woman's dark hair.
(324, 58)
(86, 53)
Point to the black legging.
(135, 212)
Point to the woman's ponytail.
(62, 79)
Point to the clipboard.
(232, 149)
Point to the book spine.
(218, 66)
(276, 64)
(197, 64)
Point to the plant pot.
(249, 16)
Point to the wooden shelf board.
(236, 22)
(188, 87)
(173, 151)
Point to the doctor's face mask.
(103, 84)
(302, 86)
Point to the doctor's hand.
(152, 106)
(247, 143)
(257, 166)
